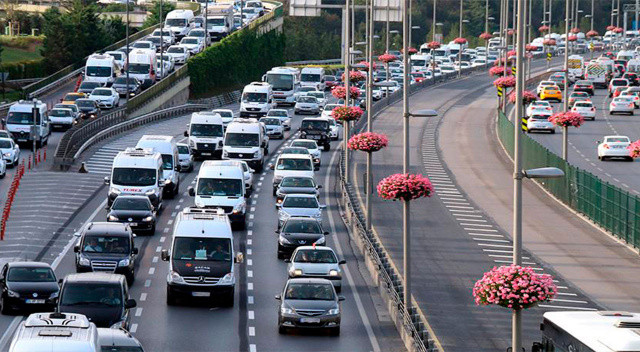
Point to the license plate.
(34, 301)
(310, 320)
(201, 294)
(133, 224)
(206, 153)
(22, 140)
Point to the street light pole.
(460, 45)
(347, 86)
(387, 46)
(592, 16)
(565, 102)
(433, 23)
(486, 16)
(127, 61)
(406, 238)
(162, 44)
(369, 182)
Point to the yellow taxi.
(70, 98)
(551, 93)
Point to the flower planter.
(368, 142)
(404, 187)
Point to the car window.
(270, 121)
(124, 203)
(315, 256)
(182, 149)
(617, 140)
(583, 105)
(220, 187)
(198, 248)
(311, 292)
(294, 164)
(302, 226)
(30, 274)
(91, 294)
(105, 244)
(295, 151)
(297, 182)
(300, 202)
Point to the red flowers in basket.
(460, 40)
(355, 76)
(497, 71)
(433, 45)
(527, 97)
(366, 64)
(575, 30)
(412, 50)
(505, 82)
(486, 36)
(543, 28)
(530, 47)
(566, 119)
(346, 113)
(340, 92)
(592, 34)
(549, 42)
(404, 187)
(573, 38)
(368, 142)
(386, 58)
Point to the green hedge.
(24, 69)
(238, 59)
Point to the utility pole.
(387, 45)
(460, 45)
(206, 23)
(433, 23)
(34, 134)
(618, 15)
(486, 17)
(405, 165)
(592, 1)
(635, 25)
(565, 101)
(347, 85)
(127, 61)
(162, 43)
(370, 113)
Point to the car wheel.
(171, 299)
(6, 310)
(241, 225)
(153, 230)
(131, 277)
(228, 301)
(553, 131)
(275, 189)
(282, 330)
(327, 147)
(334, 331)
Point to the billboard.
(305, 8)
(388, 8)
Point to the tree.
(56, 46)
(154, 17)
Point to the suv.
(103, 298)
(106, 247)
(317, 129)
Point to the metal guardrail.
(141, 99)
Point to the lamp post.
(162, 44)
(127, 61)
(460, 47)
(347, 85)
(433, 22)
(565, 102)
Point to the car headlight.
(54, 295)
(227, 279)
(84, 261)
(192, 144)
(334, 311)
(175, 278)
(317, 215)
(283, 240)
(296, 272)
(118, 325)
(7, 154)
(114, 191)
(334, 272)
(150, 192)
(320, 241)
(124, 262)
(284, 310)
(148, 218)
(12, 293)
(277, 179)
(113, 218)
(238, 208)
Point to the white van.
(202, 257)
(625, 55)
(142, 65)
(206, 134)
(597, 73)
(101, 68)
(119, 56)
(291, 165)
(19, 122)
(136, 171)
(219, 20)
(166, 146)
(441, 53)
(220, 185)
(245, 140)
(576, 67)
(179, 22)
(56, 332)
(420, 62)
(313, 77)
(256, 100)
(633, 65)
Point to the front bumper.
(105, 104)
(186, 290)
(122, 270)
(317, 322)
(137, 224)
(20, 303)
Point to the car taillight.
(631, 105)
(605, 146)
(613, 104)
(593, 109)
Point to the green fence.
(610, 207)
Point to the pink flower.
(575, 30)
(497, 71)
(573, 38)
(404, 187)
(366, 63)
(412, 50)
(543, 28)
(527, 97)
(549, 42)
(511, 53)
(530, 47)
(618, 30)
(592, 34)
(634, 149)
(340, 92)
(368, 142)
(460, 40)
(505, 82)
(355, 76)
(346, 113)
(511, 32)
(433, 45)
(386, 58)
(566, 119)
(611, 27)
(486, 36)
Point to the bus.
(284, 82)
(589, 331)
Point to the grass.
(10, 54)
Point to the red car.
(330, 81)
(418, 76)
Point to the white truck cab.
(19, 122)
(142, 65)
(202, 257)
(220, 185)
(166, 146)
(101, 68)
(136, 171)
(291, 165)
(284, 82)
(245, 139)
(56, 332)
(313, 77)
(219, 20)
(256, 100)
(179, 22)
(206, 134)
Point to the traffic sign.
(513, 70)
(499, 91)
(548, 56)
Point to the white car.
(106, 98)
(311, 146)
(10, 151)
(540, 122)
(194, 44)
(283, 115)
(179, 53)
(543, 84)
(621, 105)
(538, 106)
(226, 115)
(163, 68)
(3, 168)
(334, 127)
(308, 105)
(586, 109)
(635, 96)
(167, 36)
(185, 157)
(201, 34)
(447, 69)
(322, 99)
(62, 118)
(303, 91)
(274, 127)
(328, 110)
(377, 92)
(144, 44)
(478, 62)
(614, 147)
(167, 58)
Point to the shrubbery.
(24, 69)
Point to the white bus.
(594, 331)
(284, 81)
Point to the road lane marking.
(143, 296)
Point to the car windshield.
(176, 50)
(310, 77)
(90, 85)
(176, 22)
(300, 202)
(223, 113)
(123, 81)
(209, 249)
(133, 176)
(302, 226)
(242, 140)
(205, 130)
(305, 144)
(315, 125)
(296, 150)
(22, 118)
(101, 92)
(585, 83)
(215, 22)
(540, 103)
(189, 41)
(142, 45)
(154, 40)
(617, 140)
(297, 182)
(99, 71)
(294, 164)
(220, 187)
(167, 162)
(139, 68)
(30, 274)
(622, 100)
(183, 149)
(330, 107)
(60, 113)
(315, 256)
(72, 97)
(91, 294)
(307, 99)
(311, 292)
(105, 244)
(252, 97)
(267, 121)
(117, 56)
(278, 113)
(124, 203)
(318, 95)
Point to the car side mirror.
(271, 166)
(278, 297)
(192, 191)
(239, 257)
(323, 206)
(186, 134)
(277, 232)
(107, 181)
(76, 249)
(130, 303)
(60, 281)
(597, 142)
(319, 186)
(165, 255)
(341, 298)
(288, 260)
(342, 261)
(252, 171)
(326, 233)
(135, 250)
(278, 205)
(177, 168)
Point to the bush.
(21, 42)
(238, 59)
(24, 69)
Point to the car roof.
(302, 140)
(308, 281)
(116, 338)
(301, 195)
(129, 196)
(95, 277)
(107, 228)
(24, 264)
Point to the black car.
(88, 108)
(120, 85)
(135, 211)
(296, 185)
(584, 86)
(633, 78)
(106, 247)
(28, 286)
(317, 129)
(103, 298)
(88, 87)
(299, 231)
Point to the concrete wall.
(176, 95)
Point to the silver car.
(318, 262)
(308, 105)
(283, 115)
(299, 205)
(185, 158)
(621, 105)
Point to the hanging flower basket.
(340, 92)
(618, 30)
(355, 76)
(591, 34)
(530, 47)
(566, 119)
(486, 36)
(387, 58)
(543, 28)
(368, 142)
(503, 62)
(505, 82)
(433, 45)
(366, 64)
(549, 42)
(497, 71)
(527, 97)
(511, 53)
(412, 50)
(610, 28)
(575, 30)
(346, 113)
(514, 287)
(573, 38)
(511, 32)
(634, 149)
(404, 187)
(460, 40)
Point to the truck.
(219, 20)
(284, 82)
(101, 68)
(576, 67)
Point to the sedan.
(334, 128)
(296, 185)
(540, 123)
(10, 151)
(551, 93)
(3, 168)
(299, 231)
(120, 85)
(617, 82)
(185, 157)
(70, 98)
(635, 96)
(328, 110)
(28, 286)
(318, 262)
(136, 211)
(303, 91)
(584, 86)
(300, 205)
(274, 127)
(330, 81)
(586, 109)
(72, 107)
(194, 44)
(322, 99)
(309, 304)
(308, 105)
(621, 105)
(283, 115)
(88, 87)
(544, 84)
(311, 146)
(538, 106)
(226, 115)
(179, 53)
(106, 98)
(574, 95)
(614, 147)
(87, 108)
(144, 44)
